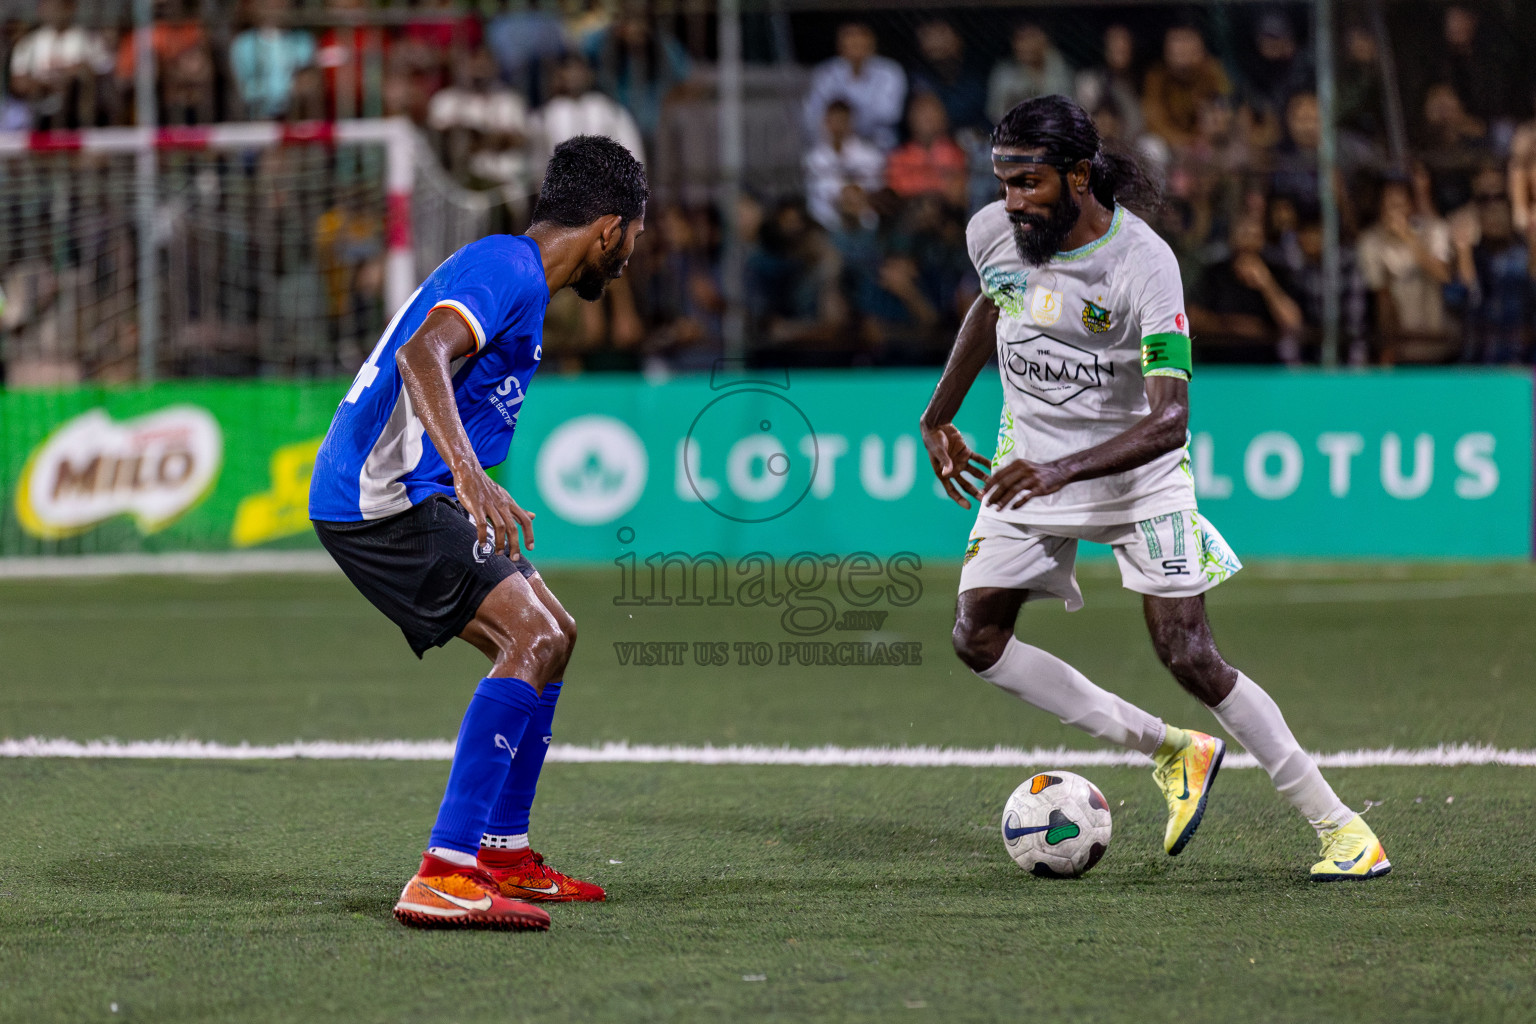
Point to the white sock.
(1255, 721)
(1050, 684)
(517, 842)
(459, 857)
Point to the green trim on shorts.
(1169, 351)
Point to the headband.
(1056, 160)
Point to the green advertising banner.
(177, 467)
(1430, 464)
(1406, 463)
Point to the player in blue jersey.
(401, 500)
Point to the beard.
(594, 279)
(1046, 234)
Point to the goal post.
(256, 227)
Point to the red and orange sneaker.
(446, 895)
(523, 875)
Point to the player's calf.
(1181, 636)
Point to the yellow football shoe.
(1350, 851)
(1184, 767)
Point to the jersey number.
(369, 371)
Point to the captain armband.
(1161, 352)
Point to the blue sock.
(509, 816)
(493, 727)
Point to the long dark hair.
(1067, 134)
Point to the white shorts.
(1176, 555)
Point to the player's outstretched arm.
(1156, 434)
(424, 363)
(948, 453)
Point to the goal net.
(276, 250)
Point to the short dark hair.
(591, 176)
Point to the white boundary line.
(640, 753)
(1348, 589)
(170, 564)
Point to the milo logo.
(92, 468)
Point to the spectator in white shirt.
(1406, 257)
(61, 69)
(579, 109)
(874, 87)
(482, 126)
(1037, 69)
(841, 158)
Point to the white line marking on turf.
(1324, 582)
(643, 753)
(1372, 592)
(169, 564)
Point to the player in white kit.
(1083, 307)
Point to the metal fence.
(270, 251)
(1380, 173)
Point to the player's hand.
(1018, 482)
(1463, 234)
(1252, 271)
(496, 515)
(952, 459)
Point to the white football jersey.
(1072, 337)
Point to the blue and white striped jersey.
(376, 460)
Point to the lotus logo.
(591, 470)
(91, 469)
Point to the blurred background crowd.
(865, 153)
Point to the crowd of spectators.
(863, 260)
(1437, 248)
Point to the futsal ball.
(1056, 825)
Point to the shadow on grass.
(211, 871)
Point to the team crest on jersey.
(971, 549)
(1095, 317)
(1006, 289)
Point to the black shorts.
(420, 567)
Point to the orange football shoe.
(446, 895)
(523, 875)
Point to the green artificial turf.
(273, 659)
(241, 892)
(208, 891)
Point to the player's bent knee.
(545, 651)
(979, 648)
